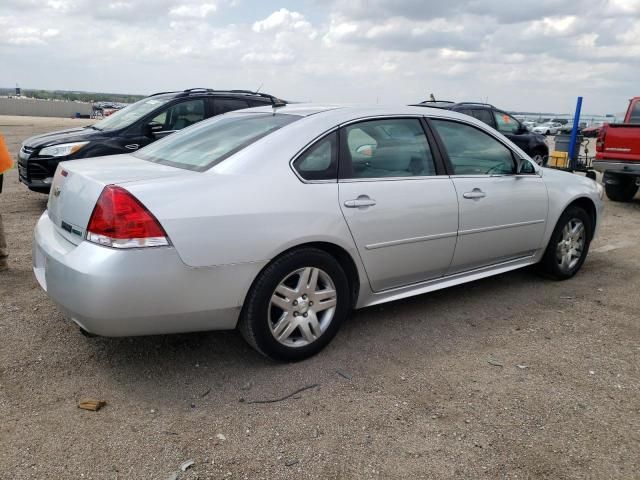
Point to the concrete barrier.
(42, 108)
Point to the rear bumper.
(626, 167)
(149, 291)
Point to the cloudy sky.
(519, 54)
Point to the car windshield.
(207, 143)
(128, 115)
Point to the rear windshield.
(207, 143)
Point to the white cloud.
(530, 54)
(283, 20)
(202, 10)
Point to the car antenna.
(276, 103)
(258, 90)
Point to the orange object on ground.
(5, 157)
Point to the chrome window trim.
(304, 149)
(492, 133)
(393, 179)
(382, 179)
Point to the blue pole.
(574, 133)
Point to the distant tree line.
(74, 96)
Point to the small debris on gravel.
(291, 462)
(522, 367)
(184, 466)
(91, 404)
(292, 394)
(221, 437)
(495, 363)
(344, 375)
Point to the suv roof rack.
(437, 101)
(476, 103)
(275, 101)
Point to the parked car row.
(280, 220)
(127, 130)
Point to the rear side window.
(386, 148)
(483, 115)
(224, 105)
(635, 113)
(320, 161)
(472, 151)
(211, 141)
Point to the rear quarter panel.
(249, 208)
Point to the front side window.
(506, 123)
(210, 142)
(320, 161)
(387, 148)
(181, 115)
(472, 151)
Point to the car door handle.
(362, 201)
(474, 194)
(132, 146)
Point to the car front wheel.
(296, 305)
(569, 244)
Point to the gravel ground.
(509, 377)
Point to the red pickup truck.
(618, 155)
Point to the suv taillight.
(602, 132)
(119, 220)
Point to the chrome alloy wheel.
(571, 244)
(302, 307)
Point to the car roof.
(352, 110)
(194, 92)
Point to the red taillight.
(119, 220)
(602, 132)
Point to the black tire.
(254, 324)
(550, 265)
(623, 190)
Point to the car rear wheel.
(623, 190)
(569, 244)
(296, 305)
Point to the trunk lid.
(77, 184)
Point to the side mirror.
(152, 128)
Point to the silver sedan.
(280, 222)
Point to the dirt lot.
(509, 377)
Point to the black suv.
(532, 143)
(129, 129)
